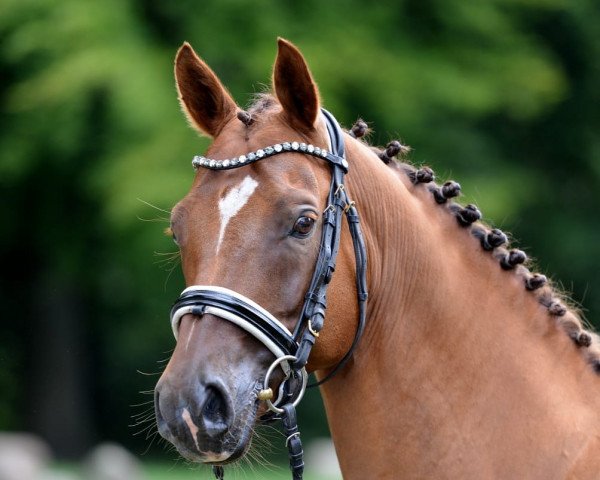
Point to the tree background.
(501, 95)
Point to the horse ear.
(295, 87)
(206, 103)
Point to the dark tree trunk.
(59, 402)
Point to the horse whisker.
(154, 206)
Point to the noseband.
(291, 350)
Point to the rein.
(291, 350)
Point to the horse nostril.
(160, 421)
(215, 412)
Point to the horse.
(462, 363)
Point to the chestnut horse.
(469, 367)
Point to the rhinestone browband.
(200, 161)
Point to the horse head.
(464, 359)
(255, 230)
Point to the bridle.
(291, 350)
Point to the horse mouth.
(244, 442)
(197, 447)
(214, 458)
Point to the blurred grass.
(165, 471)
(274, 472)
(180, 471)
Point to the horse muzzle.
(197, 421)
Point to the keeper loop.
(287, 440)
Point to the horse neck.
(459, 367)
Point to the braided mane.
(493, 240)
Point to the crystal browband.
(200, 161)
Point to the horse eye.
(303, 227)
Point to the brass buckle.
(330, 208)
(311, 329)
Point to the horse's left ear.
(295, 87)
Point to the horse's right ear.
(294, 86)
(206, 103)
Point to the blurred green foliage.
(502, 95)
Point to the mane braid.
(496, 242)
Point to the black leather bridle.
(290, 349)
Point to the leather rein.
(291, 350)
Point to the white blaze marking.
(187, 344)
(233, 202)
(191, 425)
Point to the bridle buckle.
(311, 329)
(349, 205)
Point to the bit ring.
(274, 365)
